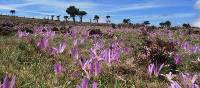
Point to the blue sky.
(156, 11)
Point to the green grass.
(35, 70)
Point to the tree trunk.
(66, 20)
(81, 19)
(74, 19)
(97, 21)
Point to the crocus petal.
(194, 78)
(61, 47)
(177, 59)
(94, 85)
(5, 82)
(12, 83)
(97, 68)
(174, 84)
(169, 76)
(57, 68)
(84, 83)
(150, 69)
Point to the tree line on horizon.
(73, 12)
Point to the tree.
(58, 17)
(108, 19)
(72, 11)
(96, 17)
(162, 24)
(81, 14)
(167, 23)
(66, 18)
(186, 25)
(146, 23)
(126, 21)
(52, 16)
(12, 12)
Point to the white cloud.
(164, 17)
(140, 6)
(61, 4)
(55, 6)
(197, 5)
(6, 7)
(197, 23)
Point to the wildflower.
(186, 46)
(75, 53)
(94, 85)
(111, 55)
(169, 76)
(189, 80)
(84, 83)
(42, 43)
(7, 84)
(154, 69)
(91, 67)
(177, 59)
(174, 84)
(52, 51)
(150, 69)
(49, 34)
(22, 34)
(158, 69)
(57, 68)
(61, 47)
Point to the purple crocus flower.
(49, 34)
(91, 67)
(42, 43)
(57, 68)
(85, 67)
(61, 47)
(94, 85)
(154, 69)
(111, 55)
(58, 50)
(84, 83)
(97, 68)
(21, 34)
(150, 69)
(158, 69)
(75, 53)
(189, 80)
(186, 46)
(169, 76)
(174, 84)
(7, 84)
(194, 49)
(52, 51)
(177, 59)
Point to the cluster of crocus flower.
(42, 43)
(84, 84)
(8, 83)
(154, 69)
(190, 48)
(98, 54)
(188, 81)
(57, 50)
(21, 34)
